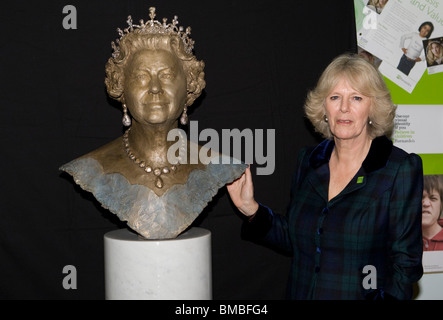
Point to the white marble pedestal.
(176, 269)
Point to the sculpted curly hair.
(135, 41)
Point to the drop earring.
(370, 122)
(126, 119)
(325, 118)
(184, 117)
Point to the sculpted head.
(154, 58)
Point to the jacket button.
(317, 269)
(325, 211)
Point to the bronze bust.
(156, 77)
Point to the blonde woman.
(355, 198)
(434, 53)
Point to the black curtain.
(261, 58)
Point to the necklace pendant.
(157, 172)
(159, 182)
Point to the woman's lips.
(342, 121)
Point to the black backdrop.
(261, 58)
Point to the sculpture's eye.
(142, 76)
(167, 75)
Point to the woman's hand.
(241, 192)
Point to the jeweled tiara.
(155, 27)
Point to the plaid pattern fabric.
(375, 220)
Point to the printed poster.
(390, 34)
(405, 35)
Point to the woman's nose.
(344, 106)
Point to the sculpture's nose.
(155, 86)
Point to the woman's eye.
(333, 97)
(356, 98)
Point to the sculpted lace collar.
(146, 213)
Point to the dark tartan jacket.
(375, 221)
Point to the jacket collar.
(377, 157)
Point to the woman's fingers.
(236, 184)
(241, 192)
(248, 177)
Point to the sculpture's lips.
(156, 105)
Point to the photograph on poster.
(412, 46)
(432, 223)
(432, 209)
(397, 37)
(434, 54)
(369, 56)
(377, 5)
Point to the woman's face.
(435, 49)
(431, 208)
(348, 112)
(424, 31)
(155, 87)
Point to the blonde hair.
(430, 56)
(365, 79)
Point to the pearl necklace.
(157, 171)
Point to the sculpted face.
(347, 111)
(155, 87)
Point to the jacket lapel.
(376, 159)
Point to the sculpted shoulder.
(111, 156)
